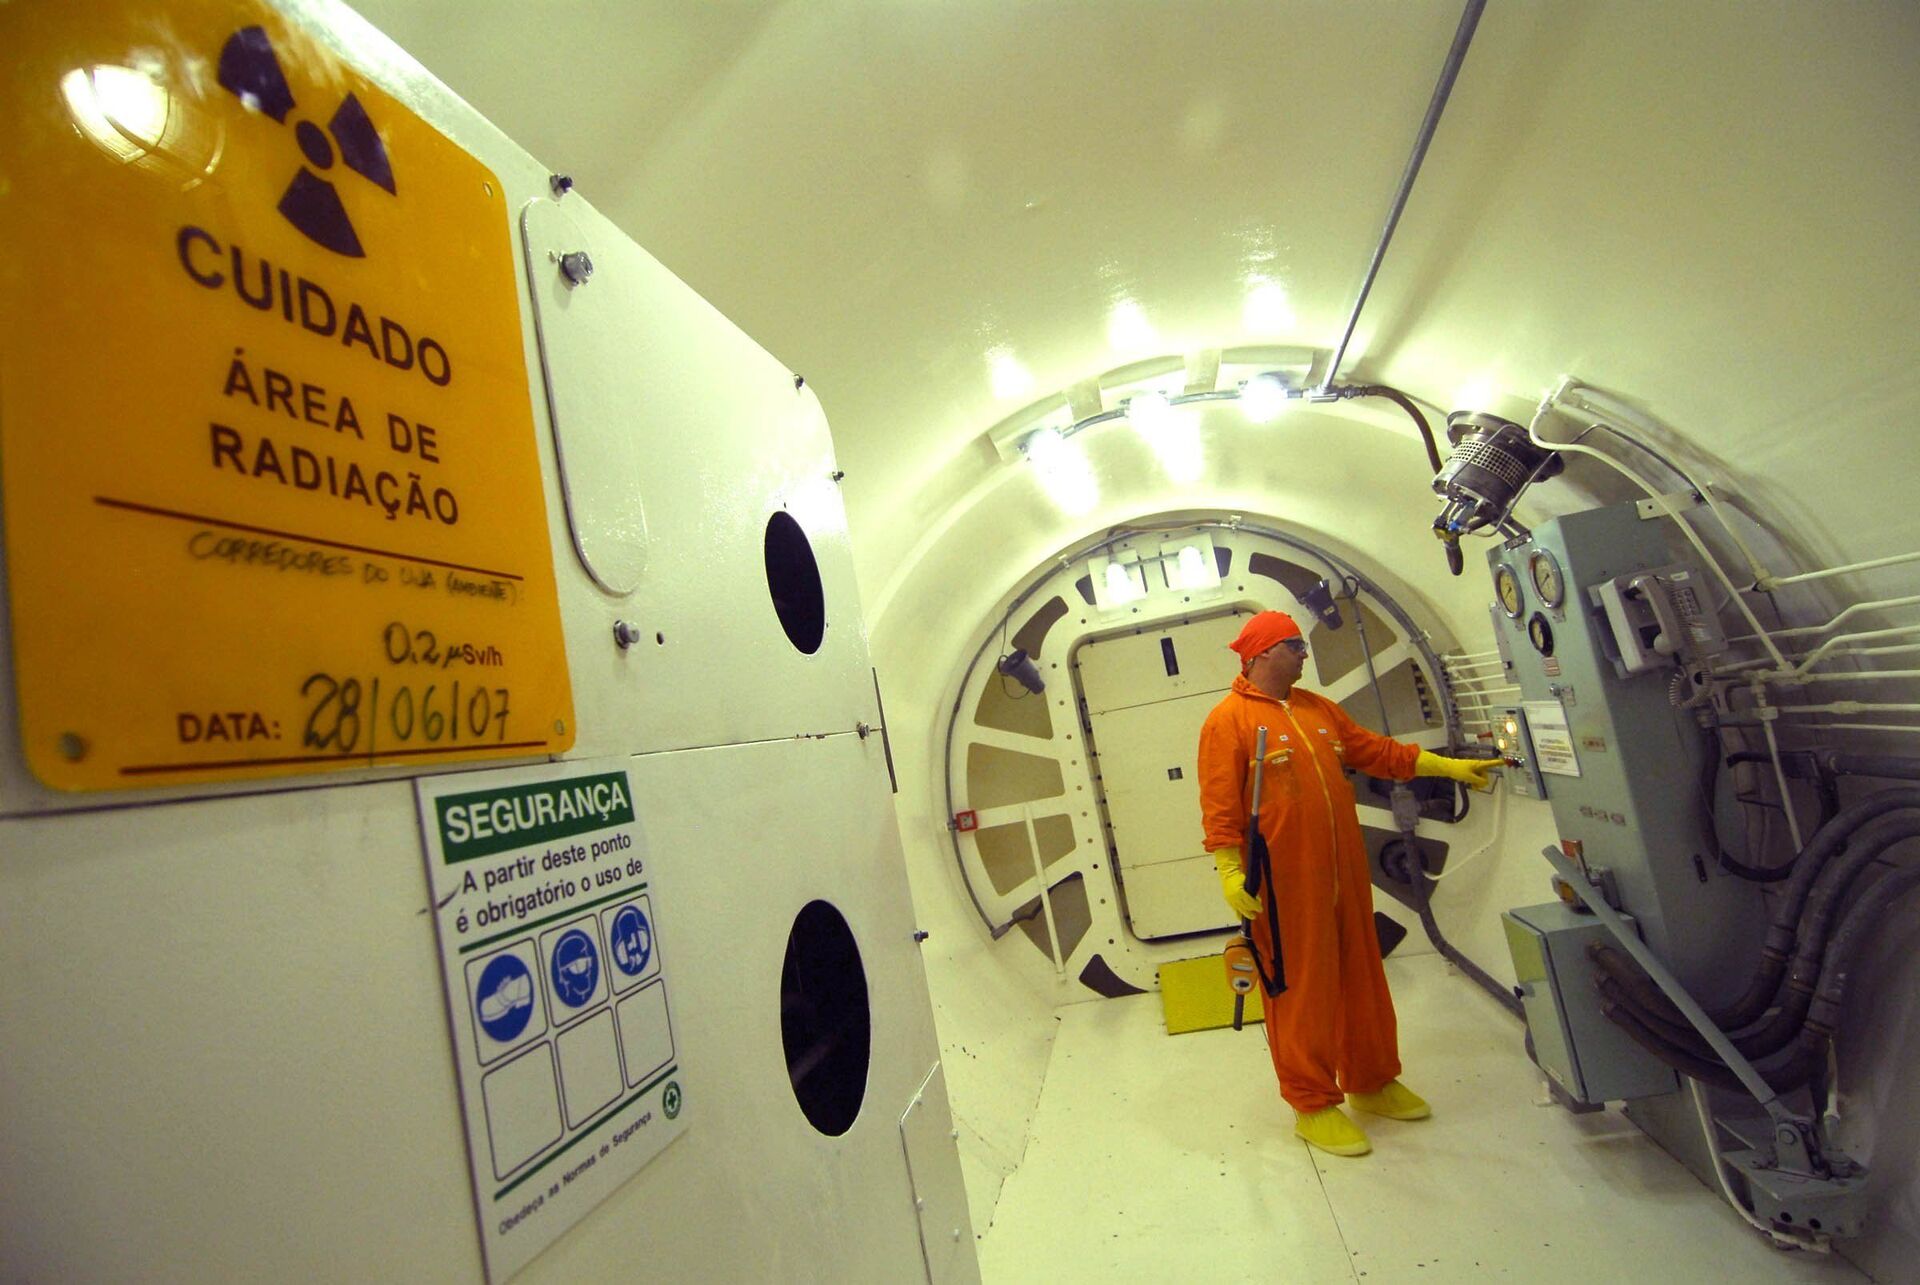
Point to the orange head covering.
(1263, 630)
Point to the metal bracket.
(1680, 501)
(1796, 1149)
(1832, 1204)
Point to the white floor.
(1157, 1158)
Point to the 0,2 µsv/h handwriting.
(406, 646)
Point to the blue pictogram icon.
(632, 941)
(505, 998)
(576, 968)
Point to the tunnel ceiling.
(1706, 208)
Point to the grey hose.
(1773, 1031)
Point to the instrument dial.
(1506, 586)
(1540, 634)
(1546, 578)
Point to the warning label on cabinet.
(1552, 739)
(549, 923)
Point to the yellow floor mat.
(1195, 996)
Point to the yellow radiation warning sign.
(273, 501)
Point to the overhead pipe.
(1462, 37)
(1854, 610)
(1874, 564)
(1886, 767)
(1551, 403)
(1604, 408)
(1818, 653)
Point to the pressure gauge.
(1540, 634)
(1506, 586)
(1546, 577)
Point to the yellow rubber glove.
(1233, 884)
(1469, 772)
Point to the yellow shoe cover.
(1331, 1131)
(1395, 1101)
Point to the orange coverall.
(1333, 1027)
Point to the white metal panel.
(226, 1037)
(719, 439)
(1155, 814)
(223, 1038)
(1146, 731)
(752, 834)
(1169, 898)
(927, 1136)
(728, 438)
(596, 393)
(221, 1032)
(1132, 669)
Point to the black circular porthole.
(825, 1024)
(793, 578)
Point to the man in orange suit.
(1331, 1031)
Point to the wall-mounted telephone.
(1657, 617)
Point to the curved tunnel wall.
(1356, 485)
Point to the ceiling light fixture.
(1263, 398)
(1064, 471)
(1128, 330)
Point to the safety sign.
(1552, 740)
(547, 911)
(272, 488)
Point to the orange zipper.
(1333, 832)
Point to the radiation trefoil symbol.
(250, 71)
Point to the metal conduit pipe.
(1409, 851)
(1809, 1047)
(1643, 995)
(1636, 997)
(1888, 767)
(1405, 403)
(1452, 954)
(1837, 887)
(1449, 71)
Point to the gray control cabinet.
(1617, 760)
(1589, 1057)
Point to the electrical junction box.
(1573, 1042)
